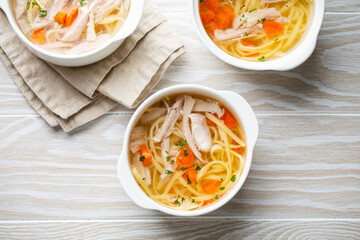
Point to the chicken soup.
(256, 30)
(187, 152)
(70, 26)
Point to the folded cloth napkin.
(71, 97)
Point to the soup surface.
(187, 152)
(70, 26)
(255, 30)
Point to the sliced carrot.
(206, 16)
(185, 158)
(145, 154)
(248, 43)
(60, 17)
(74, 11)
(222, 20)
(213, 5)
(211, 27)
(208, 201)
(38, 36)
(239, 150)
(272, 28)
(190, 175)
(211, 186)
(229, 11)
(229, 119)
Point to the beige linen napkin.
(71, 97)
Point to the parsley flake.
(188, 180)
(142, 158)
(222, 188)
(177, 201)
(217, 197)
(252, 10)
(186, 152)
(168, 172)
(198, 168)
(42, 13)
(261, 59)
(233, 178)
(242, 6)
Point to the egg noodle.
(222, 163)
(297, 11)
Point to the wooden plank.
(327, 82)
(184, 229)
(304, 166)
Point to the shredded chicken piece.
(170, 120)
(188, 106)
(250, 19)
(90, 31)
(236, 34)
(152, 114)
(207, 106)
(137, 138)
(78, 26)
(200, 132)
(20, 8)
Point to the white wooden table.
(305, 177)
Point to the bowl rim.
(292, 59)
(126, 30)
(136, 193)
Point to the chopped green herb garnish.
(193, 201)
(172, 161)
(186, 152)
(233, 178)
(183, 168)
(177, 201)
(276, 39)
(188, 180)
(211, 168)
(246, 34)
(82, 2)
(263, 19)
(222, 188)
(287, 6)
(143, 178)
(198, 168)
(195, 183)
(167, 152)
(208, 27)
(243, 15)
(167, 158)
(27, 35)
(262, 59)
(142, 158)
(181, 143)
(242, 6)
(205, 10)
(202, 1)
(252, 10)
(27, 22)
(217, 197)
(42, 13)
(221, 179)
(168, 172)
(183, 199)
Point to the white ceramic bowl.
(293, 58)
(95, 55)
(234, 102)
